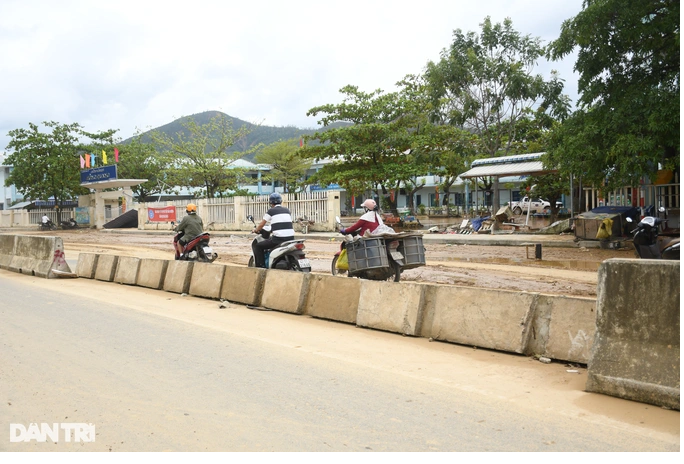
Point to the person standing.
(282, 229)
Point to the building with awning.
(504, 166)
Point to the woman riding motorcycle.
(369, 221)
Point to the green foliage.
(551, 187)
(286, 166)
(198, 156)
(628, 121)
(46, 164)
(140, 160)
(484, 84)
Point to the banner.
(166, 214)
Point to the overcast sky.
(140, 64)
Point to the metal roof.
(508, 159)
(507, 169)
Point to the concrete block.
(207, 279)
(106, 267)
(127, 270)
(635, 354)
(243, 285)
(495, 319)
(38, 256)
(563, 328)
(152, 272)
(6, 250)
(285, 291)
(391, 306)
(87, 265)
(178, 275)
(333, 298)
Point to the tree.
(46, 164)
(551, 187)
(140, 160)
(198, 155)
(484, 84)
(628, 117)
(286, 166)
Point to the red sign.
(167, 214)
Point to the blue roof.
(508, 159)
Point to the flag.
(92, 160)
(82, 161)
(87, 160)
(104, 157)
(301, 142)
(116, 154)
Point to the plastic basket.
(367, 253)
(413, 251)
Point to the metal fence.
(36, 215)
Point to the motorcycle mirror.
(628, 219)
(337, 219)
(250, 218)
(661, 209)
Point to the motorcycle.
(47, 226)
(70, 224)
(287, 255)
(392, 272)
(646, 242)
(197, 249)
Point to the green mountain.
(258, 133)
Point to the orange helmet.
(191, 208)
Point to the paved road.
(154, 371)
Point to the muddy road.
(563, 271)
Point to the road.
(155, 371)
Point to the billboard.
(166, 214)
(98, 174)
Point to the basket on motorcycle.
(367, 253)
(412, 249)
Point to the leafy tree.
(628, 117)
(484, 84)
(46, 164)
(286, 166)
(140, 160)
(198, 155)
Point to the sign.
(316, 187)
(166, 214)
(98, 174)
(82, 215)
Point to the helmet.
(191, 208)
(369, 205)
(275, 198)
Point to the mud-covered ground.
(563, 271)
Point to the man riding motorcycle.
(369, 221)
(282, 229)
(191, 226)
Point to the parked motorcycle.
(395, 259)
(288, 256)
(197, 249)
(70, 224)
(646, 242)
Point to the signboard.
(81, 215)
(166, 214)
(316, 187)
(98, 174)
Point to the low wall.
(33, 255)
(635, 354)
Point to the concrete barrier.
(6, 250)
(178, 275)
(334, 298)
(285, 291)
(394, 307)
(152, 272)
(562, 328)
(243, 285)
(106, 267)
(127, 270)
(207, 279)
(635, 354)
(495, 319)
(38, 256)
(87, 265)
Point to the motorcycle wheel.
(251, 262)
(334, 270)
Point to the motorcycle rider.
(47, 223)
(191, 226)
(282, 229)
(369, 221)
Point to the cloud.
(139, 64)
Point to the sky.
(137, 65)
